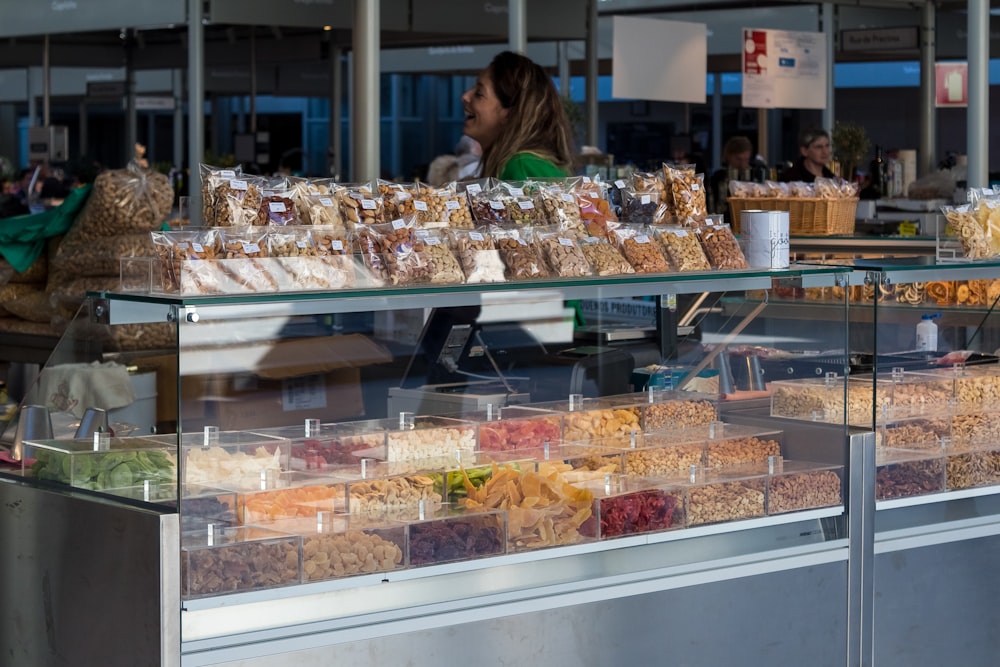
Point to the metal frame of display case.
(282, 625)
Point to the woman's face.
(484, 115)
(817, 152)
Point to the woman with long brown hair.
(516, 115)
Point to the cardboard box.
(293, 380)
(271, 383)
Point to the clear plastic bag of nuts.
(240, 200)
(682, 248)
(242, 247)
(603, 257)
(643, 252)
(303, 263)
(215, 182)
(721, 246)
(360, 205)
(561, 251)
(442, 266)
(439, 207)
(478, 255)
(518, 253)
(689, 192)
(560, 206)
(393, 251)
(320, 210)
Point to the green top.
(22, 237)
(523, 166)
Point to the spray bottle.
(927, 333)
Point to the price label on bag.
(238, 185)
(277, 207)
(326, 201)
(368, 204)
(420, 205)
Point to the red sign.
(952, 88)
(754, 51)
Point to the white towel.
(75, 387)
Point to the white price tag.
(517, 192)
(644, 199)
(525, 205)
(420, 205)
(522, 242)
(277, 207)
(679, 232)
(398, 223)
(587, 179)
(694, 187)
(238, 185)
(250, 248)
(337, 244)
(301, 244)
(568, 198)
(432, 240)
(620, 184)
(368, 204)
(197, 247)
(182, 245)
(227, 173)
(403, 196)
(326, 201)
(496, 205)
(642, 238)
(565, 241)
(476, 236)
(452, 205)
(473, 188)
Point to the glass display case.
(281, 404)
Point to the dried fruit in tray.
(542, 511)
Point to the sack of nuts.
(125, 201)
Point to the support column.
(978, 139)
(196, 104)
(365, 106)
(564, 83)
(336, 153)
(178, 92)
(131, 115)
(591, 96)
(927, 153)
(83, 127)
(517, 26)
(46, 83)
(716, 121)
(830, 30)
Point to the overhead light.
(328, 28)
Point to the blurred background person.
(464, 164)
(815, 149)
(735, 167)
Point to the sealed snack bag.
(721, 247)
(519, 254)
(478, 256)
(604, 258)
(442, 266)
(642, 251)
(689, 193)
(562, 253)
(682, 248)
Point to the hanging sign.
(952, 84)
(784, 69)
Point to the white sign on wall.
(659, 60)
(783, 69)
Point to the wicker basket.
(806, 217)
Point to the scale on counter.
(462, 364)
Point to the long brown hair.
(536, 123)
